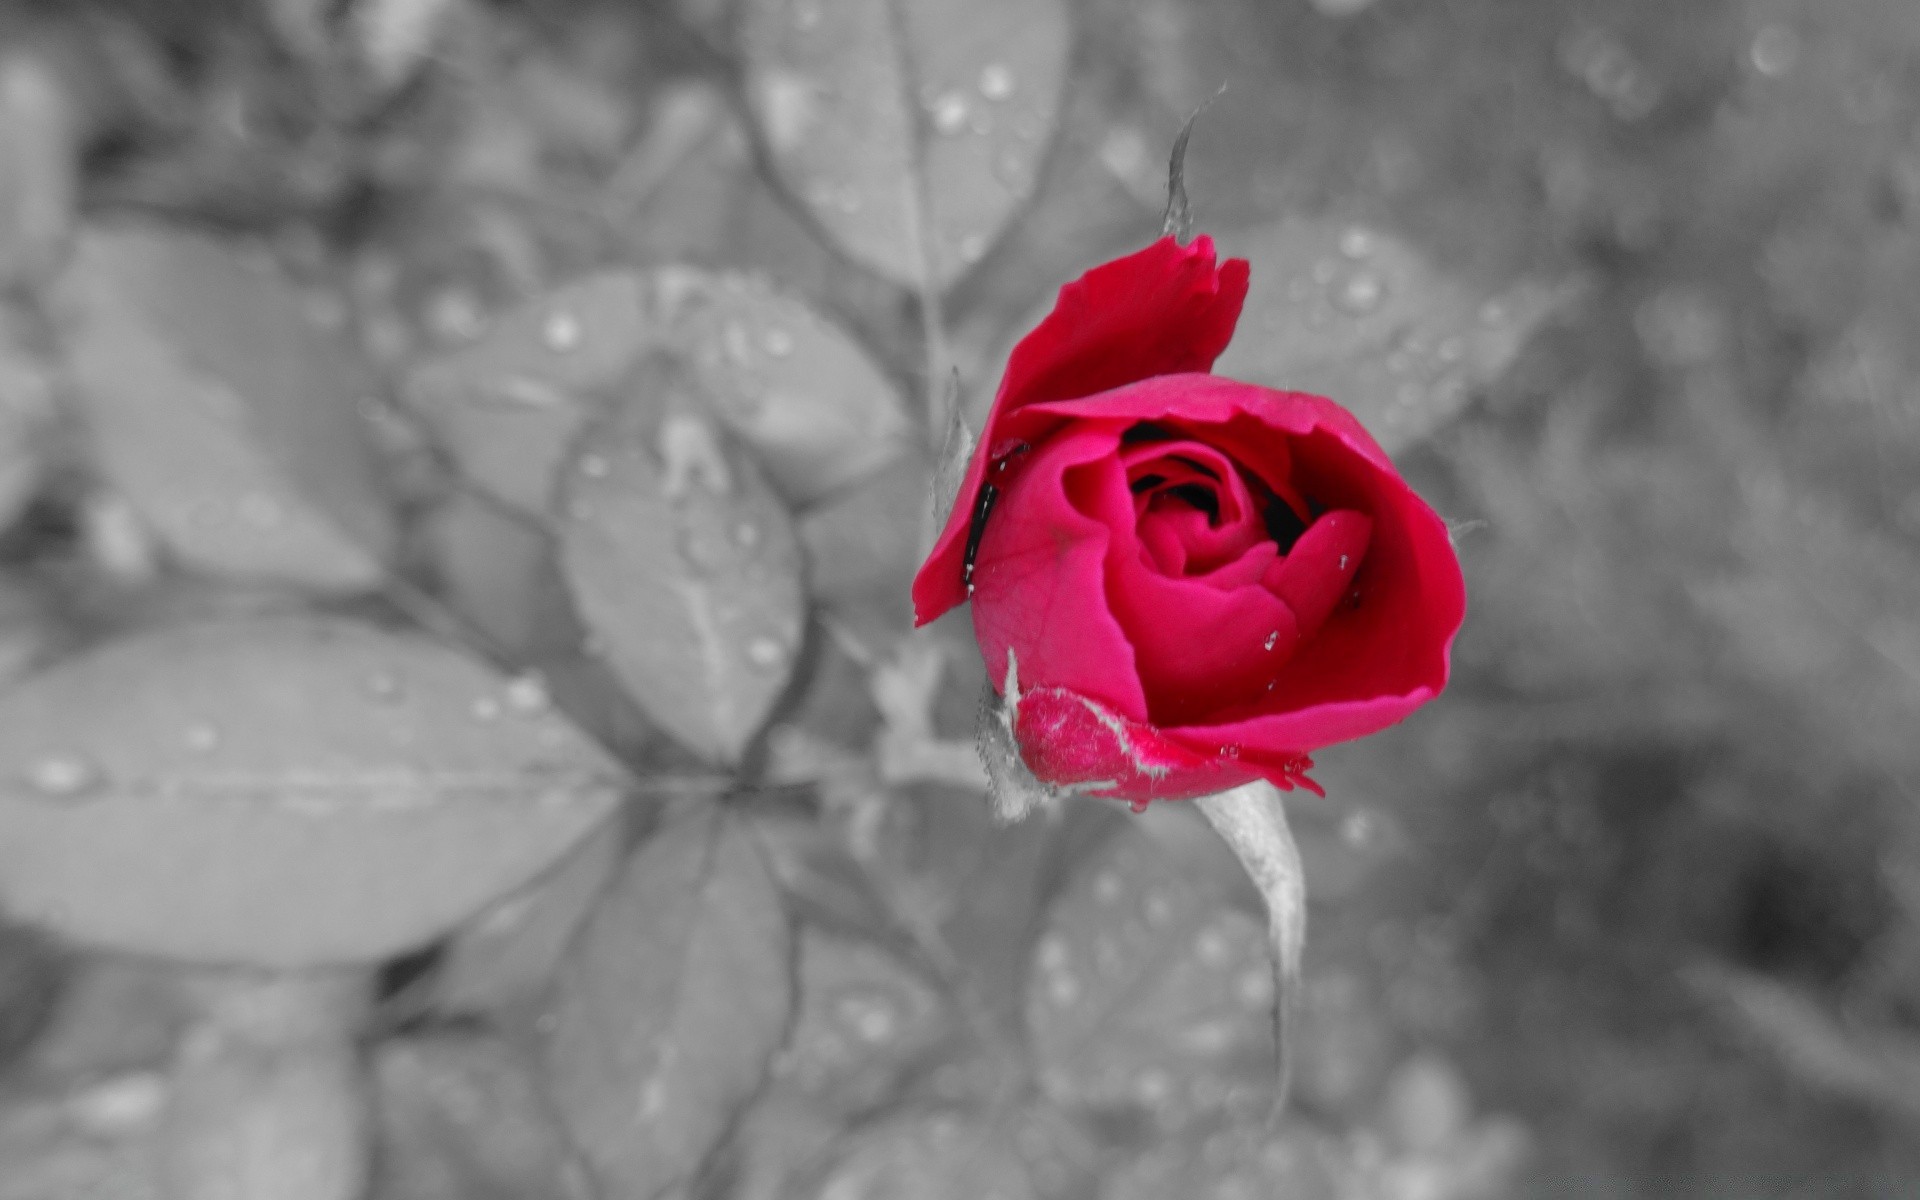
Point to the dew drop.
(996, 81)
(485, 708)
(594, 466)
(202, 738)
(1254, 990)
(1273, 639)
(561, 331)
(1493, 312)
(1359, 294)
(1063, 989)
(806, 14)
(746, 535)
(778, 343)
(950, 113)
(62, 776)
(384, 686)
(1212, 947)
(1157, 909)
(871, 1017)
(765, 652)
(1051, 954)
(1106, 887)
(527, 694)
(1343, 562)
(972, 247)
(1152, 1087)
(1356, 243)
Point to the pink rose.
(1201, 581)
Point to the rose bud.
(1191, 582)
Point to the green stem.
(1252, 820)
(268, 1098)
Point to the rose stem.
(1253, 821)
(268, 1097)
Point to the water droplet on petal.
(972, 247)
(561, 331)
(1356, 243)
(746, 535)
(996, 81)
(1157, 909)
(202, 737)
(1106, 887)
(1273, 639)
(806, 14)
(778, 343)
(594, 466)
(62, 776)
(1051, 953)
(485, 708)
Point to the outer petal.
(1040, 578)
(1168, 309)
(1068, 739)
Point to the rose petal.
(1161, 513)
(1040, 579)
(1068, 739)
(1197, 648)
(1320, 568)
(1167, 309)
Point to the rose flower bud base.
(1190, 583)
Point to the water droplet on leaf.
(62, 776)
(950, 113)
(561, 332)
(1359, 294)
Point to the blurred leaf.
(685, 567)
(223, 410)
(793, 386)
(462, 1119)
(670, 1005)
(39, 167)
(507, 955)
(1367, 320)
(496, 571)
(912, 130)
(281, 791)
(1146, 992)
(783, 1137)
(26, 410)
(49, 1156)
(32, 974)
(928, 1155)
(1250, 1161)
(863, 1018)
(863, 548)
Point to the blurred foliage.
(604, 344)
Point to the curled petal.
(1168, 309)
